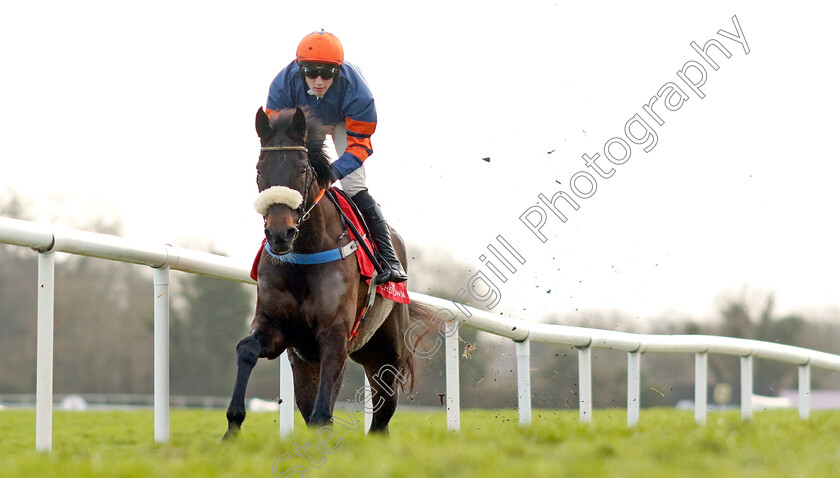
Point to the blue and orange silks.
(348, 100)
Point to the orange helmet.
(320, 47)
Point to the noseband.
(284, 148)
(302, 210)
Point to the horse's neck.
(321, 231)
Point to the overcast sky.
(149, 107)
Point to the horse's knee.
(248, 351)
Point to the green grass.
(665, 443)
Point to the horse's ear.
(263, 124)
(297, 130)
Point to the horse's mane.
(315, 135)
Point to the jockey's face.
(319, 76)
(318, 85)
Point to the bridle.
(303, 210)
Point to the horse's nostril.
(283, 237)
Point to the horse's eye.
(303, 171)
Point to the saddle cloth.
(396, 292)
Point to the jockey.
(336, 92)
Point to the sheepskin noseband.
(277, 195)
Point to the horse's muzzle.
(280, 242)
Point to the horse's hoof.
(317, 420)
(230, 434)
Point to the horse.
(308, 310)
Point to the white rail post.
(634, 375)
(701, 367)
(368, 405)
(804, 391)
(287, 396)
(45, 342)
(585, 384)
(161, 339)
(523, 380)
(453, 390)
(746, 387)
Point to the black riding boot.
(392, 269)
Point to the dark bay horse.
(309, 309)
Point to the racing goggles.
(325, 71)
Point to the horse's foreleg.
(248, 351)
(333, 361)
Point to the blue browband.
(315, 258)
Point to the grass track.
(666, 443)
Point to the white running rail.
(48, 240)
